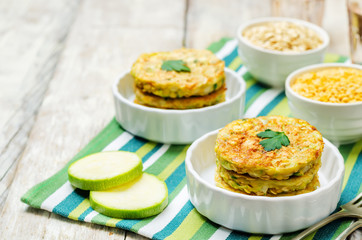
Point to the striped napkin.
(180, 220)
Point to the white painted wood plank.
(105, 39)
(30, 48)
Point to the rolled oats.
(282, 36)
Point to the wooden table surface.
(58, 59)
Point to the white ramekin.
(259, 214)
(340, 123)
(176, 126)
(272, 67)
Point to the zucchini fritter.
(291, 168)
(263, 187)
(238, 149)
(313, 185)
(206, 75)
(151, 100)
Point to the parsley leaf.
(274, 140)
(175, 65)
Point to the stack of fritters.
(244, 166)
(202, 86)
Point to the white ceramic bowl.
(259, 214)
(176, 126)
(341, 123)
(272, 67)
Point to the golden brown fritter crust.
(313, 185)
(179, 103)
(263, 187)
(238, 148)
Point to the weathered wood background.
(58, 59)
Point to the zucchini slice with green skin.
(104, 170)
(143, 197)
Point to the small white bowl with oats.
(271, 48)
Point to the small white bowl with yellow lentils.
(328, 96)
(273, 47)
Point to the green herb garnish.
(215, 86)
(175, 65)
(275, 139)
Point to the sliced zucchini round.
(143, 197)
(104, 170)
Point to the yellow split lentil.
(334, 85)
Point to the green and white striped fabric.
(180, 220)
